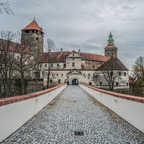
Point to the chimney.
(61, 50)
(79, 52)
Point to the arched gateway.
(75, 82)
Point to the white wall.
(14, 115)
(131, 111)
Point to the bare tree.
(110, 77)
(110, 71)
(24, 63)
(137, 79)
(50, 45)
(4, 7)
(7, 55)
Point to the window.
(100, 83)
(111, 73)
(73, 54)
(50, 80)
(57, 74)
(51, 65)
(36, 38)
(32, 31)
(61, 74)
(59, 81)
(43, 73)
(64, 65)
(127, 83)
(57, 65)
(119, 73)
(40, 65)
(73, 64)
(27, 31)
(45, 65)
(117, 83)
(124, 73)
(73, 58)
(90, 83)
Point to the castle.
(75, 66)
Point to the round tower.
(33, 38)
(110, 49)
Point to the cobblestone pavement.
(73, 110)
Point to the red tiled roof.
(61, 57)
(55, 57)
(94, 57)
(33, 26)
(110, 46)
(112, 64)
(73, 51)
(13, 47)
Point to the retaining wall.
(16, 111)
(130, 108)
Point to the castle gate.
(75, 82)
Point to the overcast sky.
(84, 24)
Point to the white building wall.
(73, 58)
(131, 111)
(14, 115)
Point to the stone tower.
(33, 38)
(110, 49)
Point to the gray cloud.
(84, 24)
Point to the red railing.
(9, 100)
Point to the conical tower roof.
(33, 26)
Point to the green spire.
(110, 40)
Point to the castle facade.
(73, 67)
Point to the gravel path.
(75, 110)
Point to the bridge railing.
(16, 111)
(130, 108)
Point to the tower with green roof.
(110, 49)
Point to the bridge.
(72, 115)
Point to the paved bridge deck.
(73, 110)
